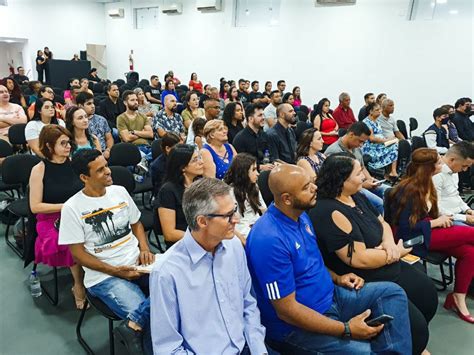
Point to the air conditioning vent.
(209, 5)
(334, 2)
(172, 8)
(116, 13)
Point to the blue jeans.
(376, 196)
(145, 151)
(128, 300)
(381, 298)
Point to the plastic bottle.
(266, 157)
(35, 285)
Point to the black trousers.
(422, 303)
(40, 74)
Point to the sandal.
(79, 301)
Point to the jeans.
(145, 151)
(381, 298)
(376, 196)
(128, 300)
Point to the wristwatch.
(347, 331)
(132, 132)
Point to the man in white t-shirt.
(10, 114)
(101, 225)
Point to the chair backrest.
(16, 134)
(124, 154)
(16, 169)
(367, 159)
(263, 186)
(404, 153)
(402, 127)
(413, 124)
(417, 142)
(5, 149)
(387, 201)
(341, 132)
(123, 177)
(156, 148)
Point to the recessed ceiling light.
(441, 1)
(453, 12)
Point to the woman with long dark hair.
(233, 117)
(232, 95)
(308, 152)
(414, 211)
(46, 92)
(169, 90)
(183, 167)
(77, 122)
(44, 114)
(223, 89)
(354, 237)
(288, 98)
(16, 97)
(242, 177)
(325, 123)
(192, 109)
(297, 96)
(195, 84)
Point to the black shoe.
(132, 339)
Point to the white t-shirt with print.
(103, 225)
(33, 128)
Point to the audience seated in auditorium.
(368, 99)
(255, 96)
(436, 135)
(217, 154)
(169, 90)
(288, 98)
(75, 90)
(242, 177)
(242, 94)
(205, 95)
(158, 166)
(356, 136)
(343, 113)
(414, 211)
(213, 261)
(84, 84)
(354, 238)
(10, 114)
(214, 94)
(153, 91)
(43, 115)
(460, 157)
(77, 122)
(281, 86)
(46, 92)
(281, 137)
(450, 126)
(325, 123)
(167, 120)
(109, 254)
(35, 87)
(20, 77)
(111, 107)
(192, 109)
(52, 183)
(253, 140)
(387, 122)
(382, 155)
(308, 152)
(305, 306)
(297, 96)
(195, 84)
(266, 93)
(184, 165)
(98, 125)
(224, 87)
(233, 117)
(16, 97)
(144, 107)
(198, 129)
(211, 112)
(68, 93)
(462, 119)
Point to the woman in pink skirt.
(52, 182)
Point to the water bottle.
(138, 178)
(266, 157)
(35, 285)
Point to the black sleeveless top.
(59, 182)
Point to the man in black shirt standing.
(281, 137)
(253, 140)
(243, 96)
(153, 91)
(112, 107)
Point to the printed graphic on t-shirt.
(108, 225)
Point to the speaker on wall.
(83, 55)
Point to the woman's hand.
(392, 250)
(443, 221)
(402, 249)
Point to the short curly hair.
(335, 170)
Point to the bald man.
(305, 307)
(282, 137)
(167, 120)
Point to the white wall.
(65, 26)
(368, 47)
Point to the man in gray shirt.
(387, 122)
(270, 113)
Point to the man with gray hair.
(387, 122)
(200, 288)
(343, 113)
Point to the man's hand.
(469, 219)
(127, 272)
(146, 257)
(470, 212)
(106, 154)
(264, 167)
(360, 329)
(369, 184)
(351, 281)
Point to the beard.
(304, 205)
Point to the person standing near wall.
(40, 62)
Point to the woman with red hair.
(414, 211)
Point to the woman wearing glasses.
(183, 167)
(52, 182)
(46, 92)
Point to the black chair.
(143, 83)
(413, 124)
(263, 187)
(402, 127)
(341, 132)
(16, 169)
(156, 148)
(404, 153)
(105, 311)
(441, 260)
(5, 151)
(417, 142)
(16, 136)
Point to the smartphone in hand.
(382, 319)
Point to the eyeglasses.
(229, 215)
(64, 144)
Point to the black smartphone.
(413, 242)
(382, 319)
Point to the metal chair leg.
(80, 339)
(111, 337)
(55, 298)
(12, 245)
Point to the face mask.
(445, 120)
(451, 116)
